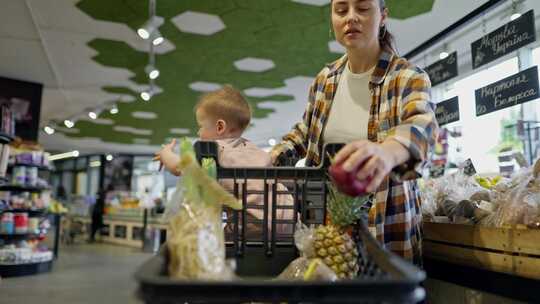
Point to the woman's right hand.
(373, 160)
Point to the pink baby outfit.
(241, 153)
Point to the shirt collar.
(379, 73)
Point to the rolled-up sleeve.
(418, 128)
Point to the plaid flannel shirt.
(401, 110)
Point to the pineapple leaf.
(345, 210)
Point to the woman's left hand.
(374, 159)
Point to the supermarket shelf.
(5, 139)
(17, 188)
(17, 270)
(18, 236)
(40, 167)
(30, 212)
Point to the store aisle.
(84, 273)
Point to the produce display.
(492, 202)
(121, 202)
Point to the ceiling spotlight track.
(49, 130)
(156, 38)
(148, 94)
(149, 27)
(69, 123)
(149, 31)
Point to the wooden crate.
(508, 250)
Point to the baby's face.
(207, 126)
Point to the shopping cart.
(383, 276)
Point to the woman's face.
(357, 23)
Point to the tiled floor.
(84, 273)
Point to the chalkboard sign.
(504, 40)
(447, 111)
(510, 91)
(443, 70)
(468, 168)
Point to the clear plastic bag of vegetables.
(520, 204)
(196, 243)
(308, 267)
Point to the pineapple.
(337, 250)
(331, 242)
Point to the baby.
(223, 116)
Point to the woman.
(379, 104)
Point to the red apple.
(347, 182)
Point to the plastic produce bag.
(307, 267)
(304, 269)
(174, 204)
(520, 203)
(196, 245)
(441, 196)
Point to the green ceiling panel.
(294, 36)
(400, 9)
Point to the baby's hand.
(167, 148)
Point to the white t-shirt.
(349, 115)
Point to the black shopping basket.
(383, 276)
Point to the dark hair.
(386, 39)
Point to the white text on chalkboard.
(492, 91)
